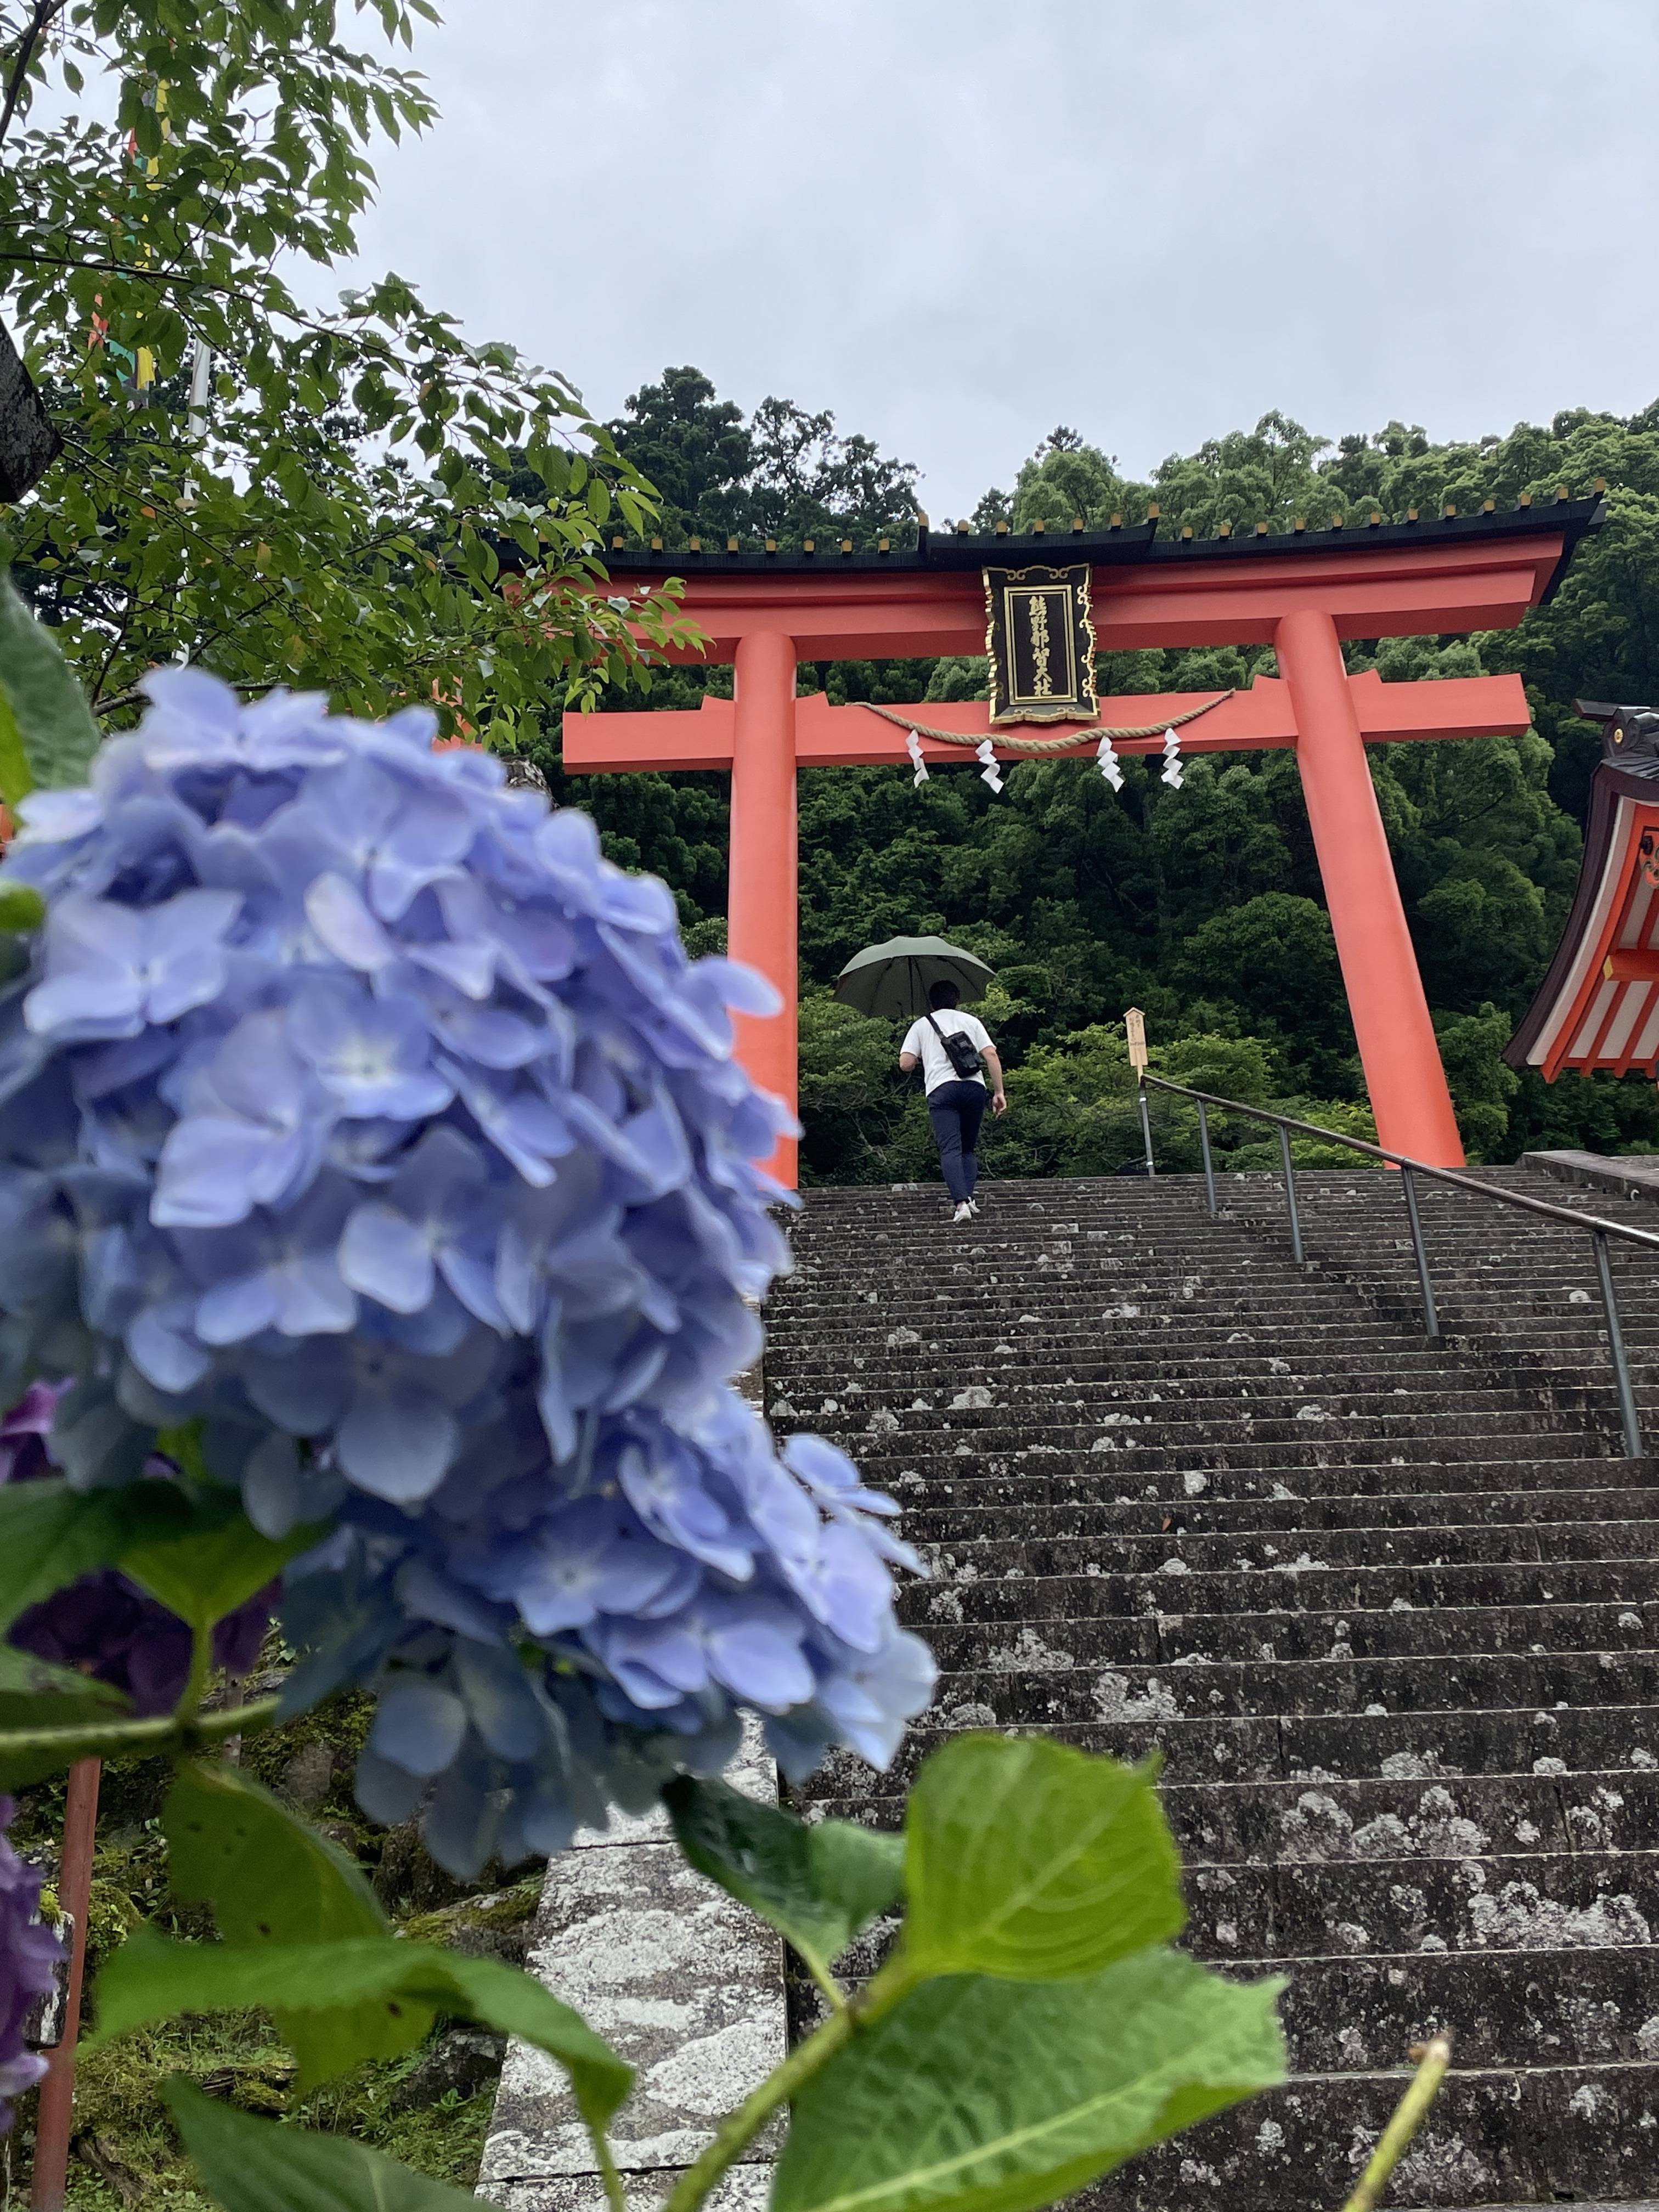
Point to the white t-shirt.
(936, 1067)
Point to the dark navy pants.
(955, 1110)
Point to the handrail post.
(1209, 1167)
(1430, 1318)
(1146, 1132)
(1290, 1196)
(1627, 1413)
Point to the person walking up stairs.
(954, 1049)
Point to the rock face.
(1388, 1608)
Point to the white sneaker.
(964, 1212)
(973, 1207)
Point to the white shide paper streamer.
(1172, 774)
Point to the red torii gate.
(1301, 593)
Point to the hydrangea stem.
(138, 1739)
(201, 1662)
(1433, 2058)
(614, 2196)
(739, 2128)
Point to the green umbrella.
(891, 981)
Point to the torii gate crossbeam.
(1304, 595)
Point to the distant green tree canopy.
(1203, 905)
(784, 473)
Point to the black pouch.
(959, 1049)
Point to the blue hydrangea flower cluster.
(354, 1106)
(29, 1957)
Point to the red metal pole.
(762, 907)
(55, 2113)
(1391, 1024)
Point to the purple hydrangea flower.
(354, 1107)
(29, 1957)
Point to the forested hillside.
(1200, 905)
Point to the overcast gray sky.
(957, 223)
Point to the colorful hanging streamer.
(1172, 774)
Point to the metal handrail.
(1598, 1229)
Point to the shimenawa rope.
(1089, 736)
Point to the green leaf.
(34, 1693)
(202, 1557)
(270, 1878)
(981, 2094)
(818, 1886)
(51, 1536)
(262, 2165)
(16, 777)
(1026, 1858)
(151, 1978)
(21, 908)
(54, 722)
(205, 1572)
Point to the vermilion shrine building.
(1303, 593)
(1597, 1009)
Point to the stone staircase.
(1388, 1608)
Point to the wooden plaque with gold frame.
(1039, 642)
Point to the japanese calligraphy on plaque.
(1041, 644)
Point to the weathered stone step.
(1409, 1813)
(1395, 1482)
(1053, 1607)
(1336, 1443)
(1506, 2135)
(1527, 2007)
(965, 1505)
(1311, 1748)
(1383, 1907)
(1294, 1583)
(1178, 1553)
(1037, 1676)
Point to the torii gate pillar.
(1391, 1023)
(763, 908)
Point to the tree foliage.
(355, 499)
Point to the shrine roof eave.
(1584, 1019)
(1131, 545)
(1447, 577)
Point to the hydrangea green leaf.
(271, 1878)
(16, 777)
(818, 1885)
(56, 731)
(261, 2166)
(1026, 1858)
(51, 1536)
(980, 2094)
(35, 1694)
(214, 1564)
(21, 905)
(151, 1978)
